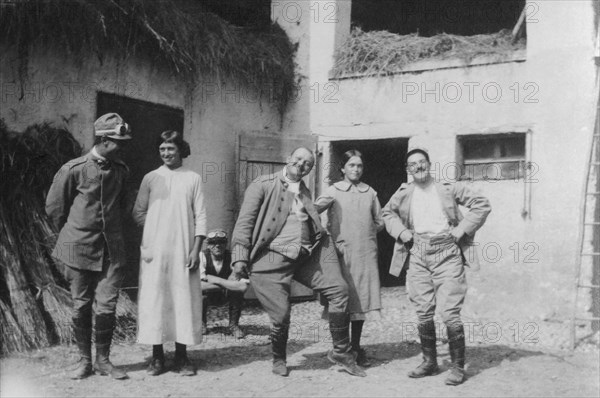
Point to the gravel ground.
(505, 357)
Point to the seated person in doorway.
(217, 288)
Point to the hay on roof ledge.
(382, 52)
(191, 42)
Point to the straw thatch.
(190, 41)
(35, 306)
(12, 336)
(382, 52)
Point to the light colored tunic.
(354, 218)
(170, 205)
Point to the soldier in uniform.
(86, 204)
(437, 242)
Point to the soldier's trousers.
(436, 278)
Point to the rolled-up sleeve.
(325, 200)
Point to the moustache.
(298, 166)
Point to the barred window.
(492, 157)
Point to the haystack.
(383, 53)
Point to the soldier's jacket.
(86, 203)
(396, 215)
(266, 206)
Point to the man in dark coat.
(86, 203)
(278, 237)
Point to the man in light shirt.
(436, 241)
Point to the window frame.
(471, 163)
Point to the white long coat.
(170, 205)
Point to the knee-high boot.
(429, 366)
(342, 354)
(279, 338)
(82, 329)
(456, 341)
(105, 325)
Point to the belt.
(441, 237)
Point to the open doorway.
(384, 172)
(147, 121)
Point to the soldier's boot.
(105, 325)
(456, 342)
(83, 337)
(342, 354)
(279, 338)
(429, 366)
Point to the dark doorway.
(147, 120)
(384, 172)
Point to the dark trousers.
(319, 271)
(220, 297)
(94, 288)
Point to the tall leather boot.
(456, 341)
(279, 338)
(82, 329)
(105, 325)
(342, 354)
(235, 312)
(429, 366)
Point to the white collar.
(345, 186)
(287, 179)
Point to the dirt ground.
(505, 357)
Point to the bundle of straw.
(56, 301)
(382, 52)
(28, 163)
(27, 313)
(12, 336)
(126, 322)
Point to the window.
(492, 157)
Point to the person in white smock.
(170, 206)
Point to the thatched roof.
(190, 41)
(383, 53)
